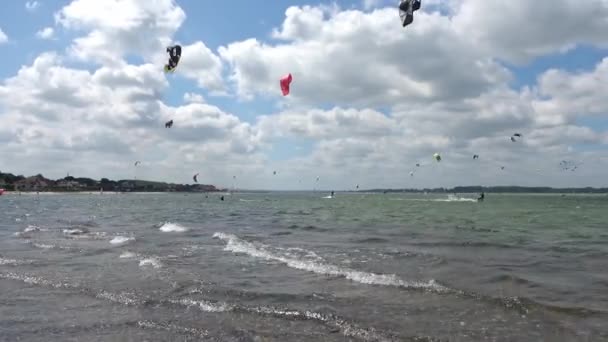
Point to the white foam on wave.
(172, 328)
(43, 245)
(121, 298)
(74, 231)
(347, 329)
(13, 262)
(236, 245)
(169, 227)
(30, 229)
(453, 198)
(119, 240)
(33, 280)
(154, 262)
(203, 305)
(128, 255)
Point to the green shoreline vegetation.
(39, 183)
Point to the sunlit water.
(300, 267)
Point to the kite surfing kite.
(514, 136)
(175, 53)
(285, 82)
(169, 124)
(475, 156)
(569, 165)
(137, 163)
(195, 178)
(406, 11)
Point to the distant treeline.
(11, 182)
(497, 189)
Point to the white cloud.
(32, 5)
(45, 33)
(370, 63)
(568, 96)
(370, 98)
(335, 123)
(519, 30)
(199, 63)
(3, 37)
(103, 120)
(193, 98)
(116, 28)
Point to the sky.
(83, 92)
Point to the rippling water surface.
(299, 267)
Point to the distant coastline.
(38, 183)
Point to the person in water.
(332, 194)
(481, 197)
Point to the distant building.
(34, 183)
(69, 184)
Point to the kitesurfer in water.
(481, 197)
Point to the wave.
(236, 245)
(154, 262)
(173, 328)
(169, 227)
(14, 262)
(29, 230)
(120, 240)
(338, 324)
(144, 260)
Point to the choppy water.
(298, 267)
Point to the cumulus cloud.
(45, 33)
(3, 37)
(369, 99)
(32, 5)
(102, 120)
(116, 28)
(335, 123)
(567, 96)
(363, 59)
(199, 63)
(520, 30)
(193, 98)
